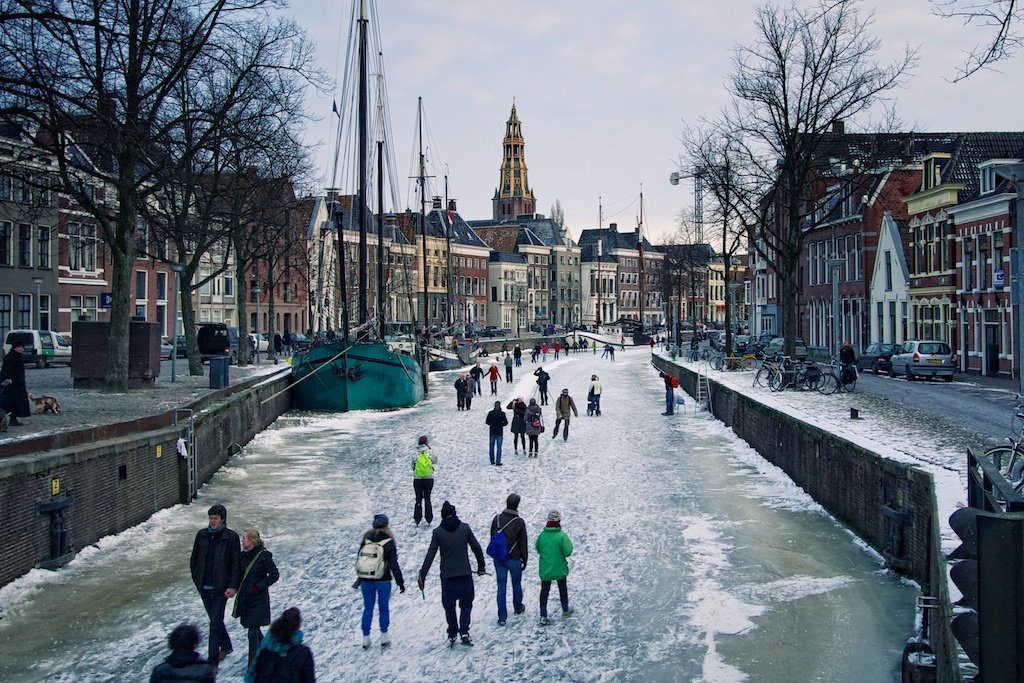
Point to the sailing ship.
(359, 370)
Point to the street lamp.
(834, 264)
(39, 302)
(256, 290)
(177, 268)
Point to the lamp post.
(834, 264)
(256, 290)
(39, 302)
(177, 268)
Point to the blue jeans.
(379, 591)
(214, 603)
(513, 567)
(670, 399)
(495, 446)
(476, 387)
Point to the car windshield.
(934, 348)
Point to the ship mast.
(423, 219)
(640, 248)
(600, 244)
(362, 147)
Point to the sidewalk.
(81, 408)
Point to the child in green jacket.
(553, 546)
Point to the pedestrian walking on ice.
(377, 564)
(534, 426)
(454, 539)
(476, 373)
(252, 601)
(563, 405)
(215, 572)
(496, 421)
(518, 428)
(513, 528)
(423, 464)
(461, 388)
(553, 547)
(594, 396)
(508, 369)
(494, 375)
(282, 656)
(542, 384)
(184, 663)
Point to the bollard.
(854, 414)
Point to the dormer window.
(988, 180)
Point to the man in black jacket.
(13, 394)
(514, 528)
(184, 663)
(216, 574)
(454, 539)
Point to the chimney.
(435, 202)
(838, 127)
(451, 205)
(613, 227)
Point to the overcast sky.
(604, 89)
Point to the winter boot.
(385, 639)
(466, 640)
(544, 621)
(366, 642)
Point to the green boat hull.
(355, 376)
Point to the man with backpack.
(508, 548)
(670, 394)
(454, 539)
(423, 481)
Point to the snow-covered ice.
(696, 560)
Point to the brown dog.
(45, 404)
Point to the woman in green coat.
(553, 546)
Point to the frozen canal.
(695, 559)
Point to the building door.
(991, 348)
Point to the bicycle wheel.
(828, 384)
(776, 381)
(849, 385)
(718, 362)
(1007, 461)
(761, 376)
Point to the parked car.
(217, 339)
(180, 346)
(166, 349)
(258, 342)
(774, 349)
(761, 342)
(876, 357)
(494, 331)
(740, 342)
(299, 341)
(923, 358)
(42, 347)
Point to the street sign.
(106, 300)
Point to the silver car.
(922, 358)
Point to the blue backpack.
(498, 548)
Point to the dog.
(45, 404)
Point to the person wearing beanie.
(252, 601)
(496, 421)
(423, 464)
(563, 405)
(542, 384)
(594, 396)
(534, 426)
(379, 590)
(509, 523)
(216, 573)
(553, 546)
(454, 539)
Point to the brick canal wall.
(890, 505)
(105, 480)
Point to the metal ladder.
(703, 397)
(192, 468)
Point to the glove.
(356, 584)
(401, 589)
(255, 590)
(524, 565)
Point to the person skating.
(252, 602)
(558, 347)
(508, 369)
(563, 405)
(282, 656)
(184, 663)
(553, 546)
(496, 421)
(494, 375)
(215, 572)
(379, 590)
(594, 396)
(534, 426)
(454, 539)
(461, 389)
(670, 394)
(513, 528)
(518, 428)
(517, 354)
(423, 481)
(13, 393)
(475, 374)
(542, 384)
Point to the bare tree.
(96, 79)
(1004, 17)
(809, 71)
(558, 214)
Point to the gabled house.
(889, 283)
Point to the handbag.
(234, 606)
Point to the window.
(83, 308)
(161, 286)
(82, 246)
(43, 247)
(6, 244)
(5, 188)
(25, 245)
(229, 286)
(23, 316)
(888, 271)
(44, 312)
(5, 315)
(140, 284)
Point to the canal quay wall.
(63, 491)
(889, 505)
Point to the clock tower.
(513, 196)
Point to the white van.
(42, 347)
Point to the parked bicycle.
(797, 375)
(1009, 458)
(733, 362)
(768, 369)
(836, 378)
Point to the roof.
(611, 239)
(507, 257)
(461, 232)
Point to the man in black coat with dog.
(13, 394)
(216, 573)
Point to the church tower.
(513, 196)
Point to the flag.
(451, 218)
